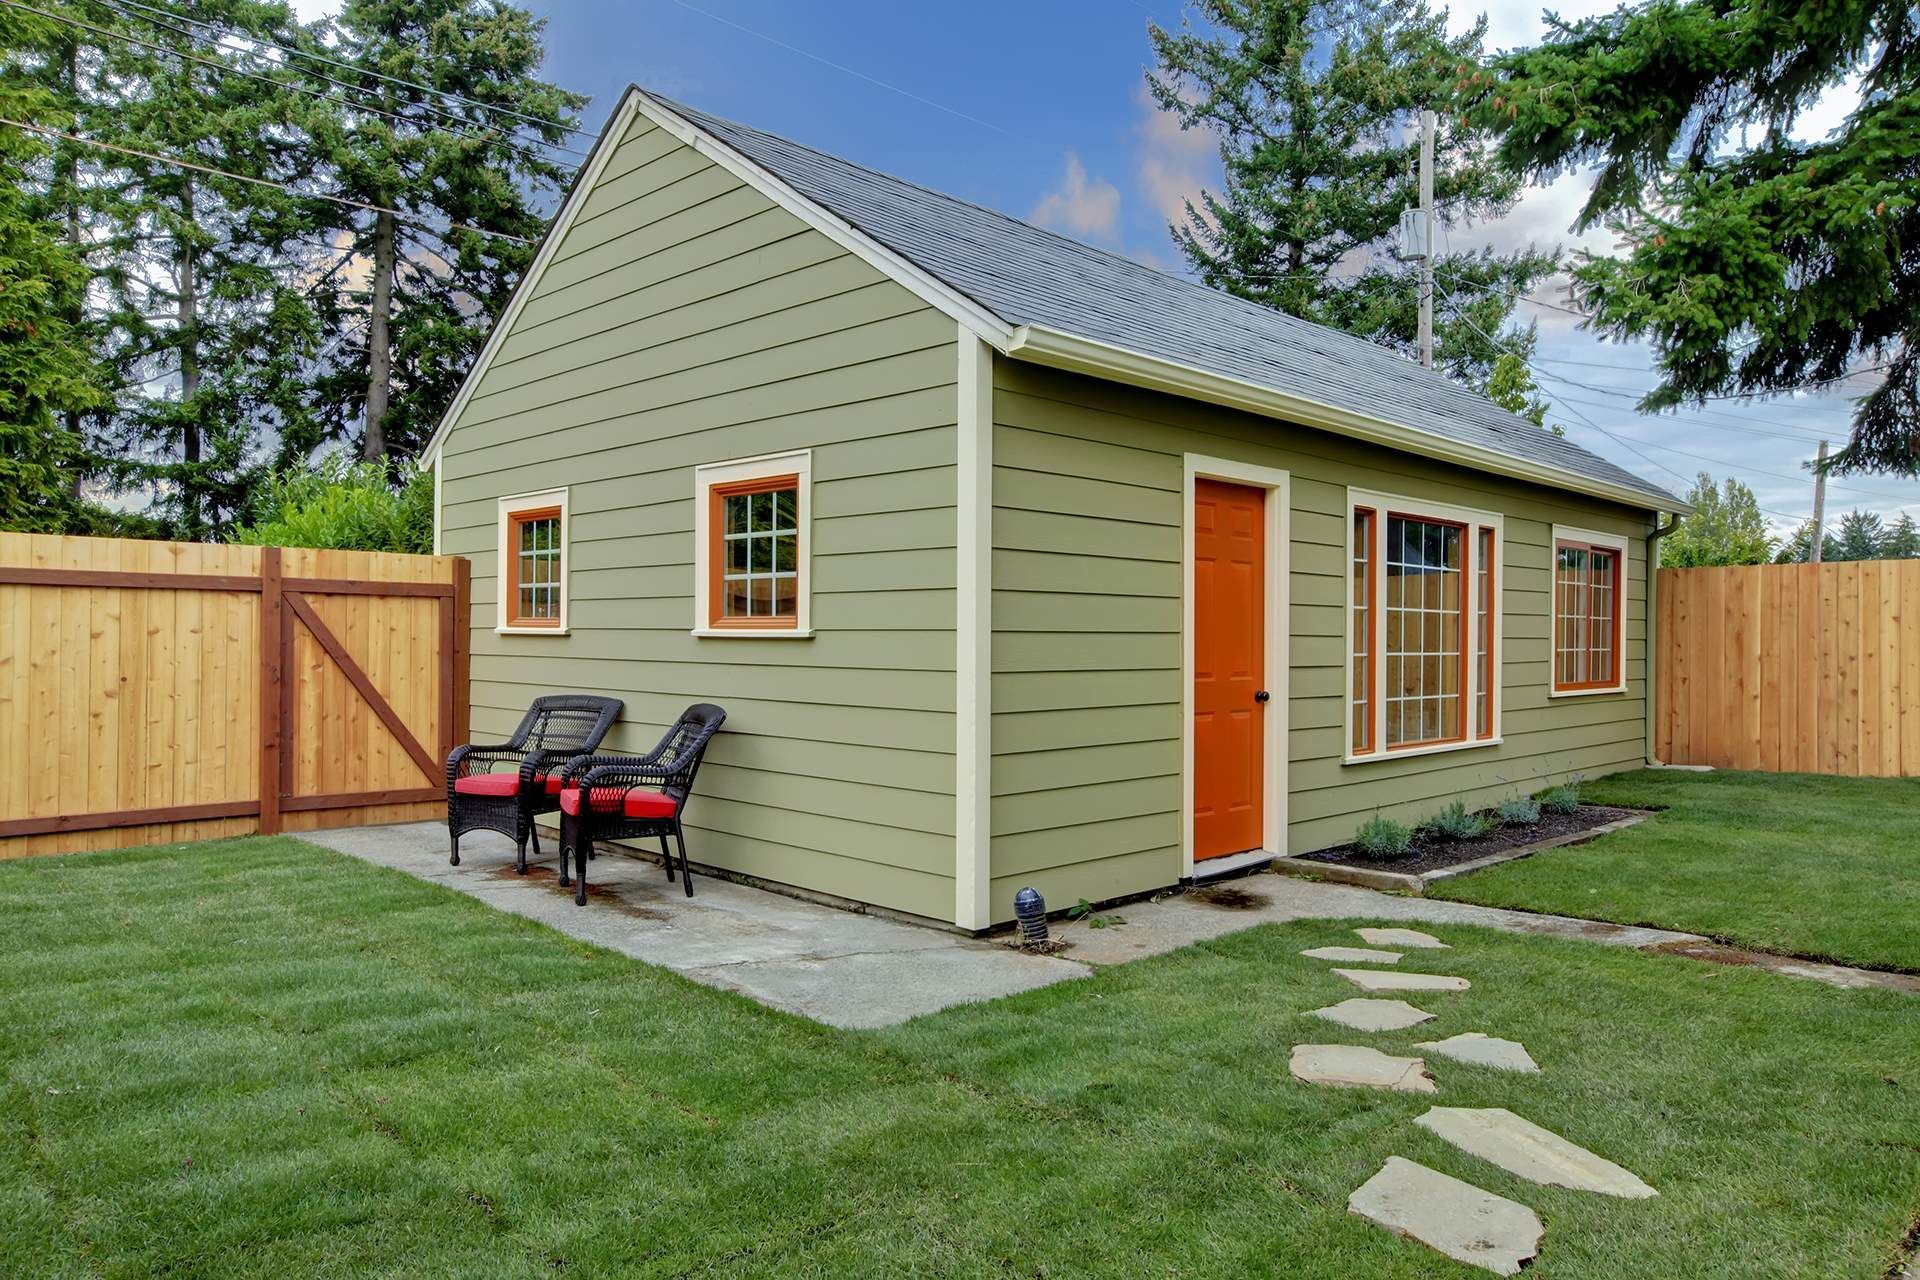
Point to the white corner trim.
(1383, 505)
(583, 183)
(973, 657)
(438, 461)
(970, 315)
(1279, 675)
(529, 502)
(1622, 547)
(1040, 345)
(794, 462)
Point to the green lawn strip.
(1825, 868)
(374, 1076)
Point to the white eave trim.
(1059, 350)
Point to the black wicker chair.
(632, 797)
(555, 729)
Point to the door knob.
(1261, 696)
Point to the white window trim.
(1619, 545)
(798, 463)
(528, 502)
(1382, 504)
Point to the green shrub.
(1380, 837)
(360, 506)
(1561, 799)
(1457, 822)
(1519, 811)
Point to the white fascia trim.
(1279, 676)
(973, 649)
(970, 315)
(1383, 505)
(528, 502)
(1622, 547)
(584, 182)
(1059, 350)
(437, 461)
(794, 462)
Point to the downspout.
(1658, 532)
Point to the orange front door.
(1229, 671)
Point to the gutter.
(1657, 532)
(1075, 354)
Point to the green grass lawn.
(1794, 863)
(260, 1058)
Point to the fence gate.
(155, 691)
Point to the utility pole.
(1426, 220)
(1819, 505)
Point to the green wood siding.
(1087, 615)
(687, 319)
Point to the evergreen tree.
(1314, 104)
(46, 373)
(1755, 263)
(1726, 527)
(417, 296)
(1862, 536)
(1798, 549)
(1903, 540)
(1510, 385)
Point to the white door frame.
(1279, 487)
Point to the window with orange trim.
(533, 562)
(1589, 597)
(751, 571)
(1423, 626)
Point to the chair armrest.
(611, 768)
(468, 756)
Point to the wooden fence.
(1791, 668)
(161, 691)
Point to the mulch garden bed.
(1429, 854)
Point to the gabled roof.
(1039, 296)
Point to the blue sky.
(1037, 108)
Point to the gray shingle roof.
(1026, 275)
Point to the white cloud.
(308, 10)
(1174, 163)
(1080, 206)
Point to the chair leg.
(520, 846)
(569, 836)
(533, 834)
(686, 875)
(666, 857)
(454, 860)
(580, 870)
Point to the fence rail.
(1791, 668)
(157, 691)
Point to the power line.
(258, 182)
(846, 70)
(447, 94)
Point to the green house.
(1014, 562)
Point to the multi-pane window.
(1422, 627)
(533, 562)
(1587, 599)
(760, 551)
(752, 547)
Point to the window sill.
(530, 631)
(1381, 757)
(1610, 691)
(751, 633)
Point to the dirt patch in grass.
(1429, 853)
(1230, 897)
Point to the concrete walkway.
(838, 967)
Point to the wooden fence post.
(272, 730)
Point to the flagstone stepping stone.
(1485, 1051)
(1387, 980)
(1401, 938)
(1523, 1148)
(1373, 1015)
(1454, 1217)
(1353, 955)
(1358, 1067)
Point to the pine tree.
(419, 297)
(1314, 104)
(47, 376)
(1726, 527)
(1755, 263)
(1903, 540)
(1862, 536)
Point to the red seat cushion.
(553, 782)
(488, 784)
(639, 804)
